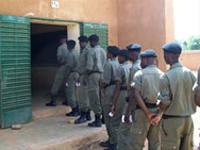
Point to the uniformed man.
(145, 88)
(197, 90)
(177, 98)
(119, 97)
(84, 99)
(124, 128)
(108, 85)
(71, 78)
(62, 54)
(96, 60)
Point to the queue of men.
(136, 99)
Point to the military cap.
(149, 53)
(71, 43)
(62, 36)
(94, 37)
(134, 47)
(83, 39)
(123, 52)
(113, 50)
(172, 47)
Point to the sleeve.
(132, 73)
(107, 73)
(137, 81)
(196, 87)
(165, 94)
(90, 60)
(119, 75)
(59, 51)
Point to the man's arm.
(115, 96)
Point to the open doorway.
(44, 43)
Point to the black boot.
(97, 122)
(53, 102)
(105, 144)
(112, 147)
(81, 119)
(74, 112)
(88, 116)
(102, 119)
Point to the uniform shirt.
(135, 67)
(147, 82)
(72, 60)
(62, 52)
(176, 87)
(197, 85)
(82, 61)
(123, 73)
(96, 59)
(110, 71)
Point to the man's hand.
(127, 118)
(112, 109)
(155, 121)
(151, 115)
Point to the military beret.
(83, 39)
(62, 36)
(123, 52)
(149, 53)
(134, 47)
(71, 43)
(94, 37)
(172, 47)
(113, 49)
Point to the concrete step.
(53, 133)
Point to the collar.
(178, 64)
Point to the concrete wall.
(96, 11)
(191, 59)
(144, 22)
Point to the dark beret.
(71, 43)
(62, 36)
(149, 53)
(172, 47)
(83, 39)
(113, 50)
(134, 47)
(123, 52)
(94, 37)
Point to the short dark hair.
(71, 43)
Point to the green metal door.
(100, 29)
(15, 70)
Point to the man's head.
(172, 52)
(123, 56)
(62, 39)
(112, 52)
(148, 57)
(94, 40)
(83, 41)
(71, 44)
(133, 52)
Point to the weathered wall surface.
(95, 11)
(190, 59)
(144, 22)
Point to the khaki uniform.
(197, 85)
(110, 73)
(62, 52)
(84, 99)
(124, 128)
(122, 76)
(96, 59)
(177, 124)
(72, 63)
(147, 82)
